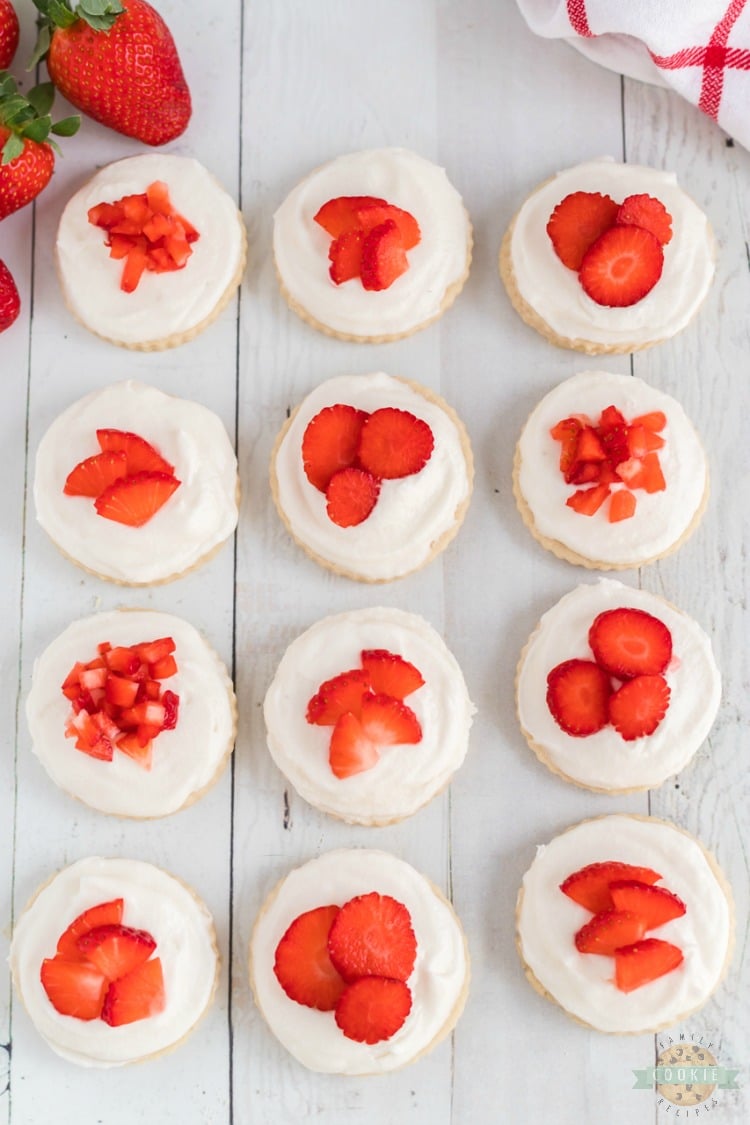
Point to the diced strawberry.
(610, 930)
(135, 499)
(135, 263)
(91, 476)
(157, 197)
(330, 442)
(656, 905)
(136, 996)
(656, 420)
(577, 221)
(585, 472)
(93, 678)
(394, 443)
(622, 266)
(567, 432)
(74, 988)
(120, 691)
(339, 215)
(588, 446)
(637, 708)
(351, 496)
(611, 419)
(103, 914)
(106, 725)
(73, 678)
(649, 213)
(577, 696)
(645, 473)
(116, 950)
(145, 230)
(149, 711)
(140, 454)
(152, 651)
(104, 215)
(644, 961)
(351, 751)
(171, 703)
(373, 1009)
(123, 660)
(302, 964)
(90, 738)
(390, 674)
(588, 501)
(629, 642)
(130, 744)
(622, 506)
(372, 935)
(373, 214)
(335, 697)
(383, 256)
(637, 439)
(164, 668)
(589, 886)
(345, 256)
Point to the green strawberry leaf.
(7, 84)
(37, 130)
(99, 14)
(43, 40)
(12, 148)
(58, 12)
(41, 97)
(67, 127)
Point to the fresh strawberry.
(373, 1009)
(335, 697)
(649, 213)
(10, 302)
(394, 443)
(577, 696)
(136, 996)
(588, 501)
(641, 440)
(9, 32)
(384, 722)
(302, 964)
(372, 935)
(330, 442)
(152, 652)
(103, 914)
(629, 642)
(142, 752)
(637, 708)
(351, 751)
(340, 215)
(656, 420)
(577, 222)
(140, 455)
(74, 988)
(390, 674)
(622, 266)
(644, 961)
(383, 256)
(567, 432)
(373, 214)
(351, 495)
(589, 886)
(91, 476)
(115, 950)
(134, 500)
(27, 156)
(622, 506)
(117, 62)
(345, 256)
(610, 930)
(656, 905)
(645, 473)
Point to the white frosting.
(583, 983)
(184, 760)
(555, 292)
(406, 180)
(153, 901)
(163, 303)
(411, 513)
(405, 777)
(198, 516)
(437, 981)
(660, 518)
(606, 760)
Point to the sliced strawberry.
(135, 264)
(649, 213)
(340, 215)
(622, 506)
(74, 988)
(629, 642)
(589, 886)
(610, 930)
(136, 996)
(373, 214)
(588, 501)
(389, 721)
(641, 441)
(302, 964)
(390, 674)
(373, 1009)
(394, 443)
(637, 708)
(351, 751)
(656, 420)
(643, 472)
(141, 753)
(644, 961)
(372, 935)
(104, 914)
(622, 266)
(135, 499)
(345, 256)
(91, 476)
(577, 696)
(351, 496)
(336, 696)
(577, 221)
(115, 950)
(656, 905)
(330, 442)
(140, 454)
(383, 256)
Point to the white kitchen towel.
(700, 48)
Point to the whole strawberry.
(117, 62)
(8, 33)
(10, 302)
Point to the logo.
(686, 1074)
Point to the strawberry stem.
(100, 15)
(27, 117)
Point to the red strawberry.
(345, 256)
(372, 935)
(74, 988)
(10, 302)
(641, 440)
(656, 905)
(373, 214)
(577, 222)
(340, 215)
(302, 964)
(390, 674)
(121, 67)
(394, 443)
(649, 213)
(629, 642)
(644, 961)
(610, 930)
(134, 500)
(645, 473)
(567, 432)
(136, 996)
(622, 266)
(656, 420)
(351, 495)
(337, 696)
(637, 708)
(588, 501)
(115, 950)
(622, 506)
(373, 1008)
(383, 256)
(91, 476)
(9, 32)
(330, 442)
(577, 695)
(27, 158)
(384, 722)
(589, 886)
(104, 914)
(141, 752)
(351, 751)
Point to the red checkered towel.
(701, 48)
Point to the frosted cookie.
(607, 258)
(115, 961)
(372, 476)
(626, 922)
(132, 712)
(609, 473)
(343, 1005)
(136, 486)
(149, 251)
(372, 246)
(616, 689)
(368, 715)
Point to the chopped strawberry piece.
(645, 473)
(577, 696)
(372, 935)
(374, 214)
(89, 737)
(629, 642)
(649, 213)
(135, 263)
(622, 266)
(150, 652)
(150, 712)
(120, 691)
(644, 961)
(116, 950)
(656, 905)
(590, 885)
(330, 442)
(611, 419)
(383, 256)
(74, 988)
(142, 754)
(345, 256)
(373, 1009)
(91, 476)
(577, 221)
(171, 708)
(340, 215)
(103, 914)
(123, 660)
(351, 496)
(302, 964)
(610, 930)
(622, 506)
(656, 420)
(92, 678)
(139, 453)
(351, 751)
(164, 668)
(637, 708)
(135, 499)
(335, 697)
(390, 674)
(588, 501)
(394, 443)
(136, 996)
(567, 433)
(585, 472)
(588, 446)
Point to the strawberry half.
(136, 996)
(383, 256)
(340, 215)
(135, 499)
(372, 935)
(622, 266)
(648, 213)
(656, 905)
(74, 988)
(589, 886)
(637, 708)
(103, 914)
(577, 221)
(373, 1009)
(394, 443)
(336, 696)
(302, 964)
(351, 751)
(629, 642)
(577, 695)
(115, 950)
(91, 476)
(644, 961)
(351, 495)
(330, 442)
(610, 930)
(390, 674)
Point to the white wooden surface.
(279, 87)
